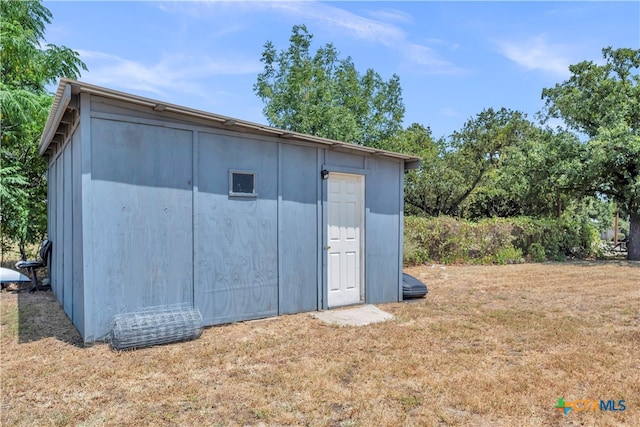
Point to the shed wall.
(151, 200)
(141, 220)
(236, 272)
(384, 195)
(65, 229)
(52, 198)
(67, 224)
(345, 160)
(298, 239)
(59, 237)
(77, 251)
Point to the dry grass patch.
(487, 346)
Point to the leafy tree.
(465, 163)
(425, 188)
(27, 65)
(415, 140)
(535, 178)
(326, 96)
(432, 189)
(603, 102)
(481, 146)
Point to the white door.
(345, 205)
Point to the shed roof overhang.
(64, 111)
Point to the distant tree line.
(500, 164)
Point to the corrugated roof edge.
(68, 86)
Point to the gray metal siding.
(103, 106)
(298, 243)
(236, 240)
(383, 237)
(76, 254)
(58, 246)
(52, 225)
(142, 245)
(67, 235)
(347, 160)
(85, 234)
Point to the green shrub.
(496, 240)
(509, 255)
(413, 254)
(536, 252)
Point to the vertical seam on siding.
(279, 226)
(195, 148)
(322, 229)
(400, 229)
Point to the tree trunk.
(23, 252)
(633, 242)
(456, 203)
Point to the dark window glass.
(243, 183)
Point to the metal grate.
(154, 326)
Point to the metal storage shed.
(152, 203)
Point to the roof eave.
(68, 86)
(60, 103)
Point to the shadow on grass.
(38, 316)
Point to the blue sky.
(454, 59)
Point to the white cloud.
(392, 15)
(108, 69)
(358, 26)
(449, 112)
(429, 60)
(378, 30)
(386, 34)
(439, 42)
(537, 53)
(171, 72)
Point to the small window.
(242, 184)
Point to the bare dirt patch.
(489, 345)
